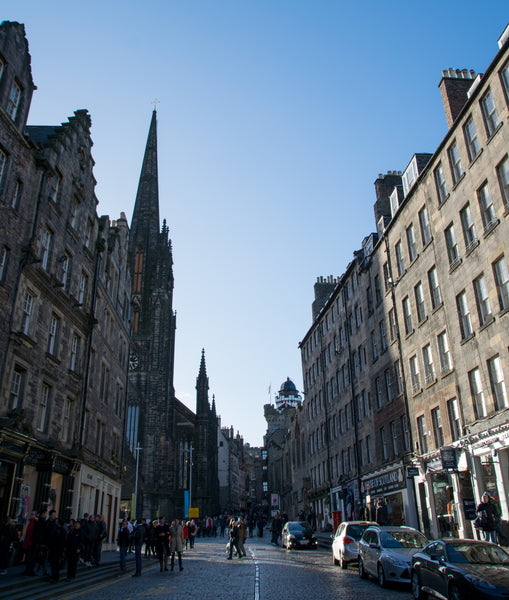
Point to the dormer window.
(14, 99)
(2, 67)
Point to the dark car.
(458, 569)
(298, 534)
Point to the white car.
(344, 541)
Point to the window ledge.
(438, 307)
(491, 227)
(53, 360)
(503, 312)
(414, 260)
(489, 320)
(431, 383)
(471, 247)
(506, 211)
(440, 204)
(428, 243)
(474, 160)
(499, 127)
(416, 392)
(455, 264)
(423, 321)
(409, 334)
(467, 339)
(446, 373)
(460, 179)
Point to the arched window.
(138, 270)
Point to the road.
(268, 573)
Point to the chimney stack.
(454, 87)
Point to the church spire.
(202, 388)
(145, 222)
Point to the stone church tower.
(165, 430)
(206, 480)
(151, 410)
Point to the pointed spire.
(202, 388)
(146, 209)
(214, 404)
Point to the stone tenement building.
(64, 302)
(405, 362)
(157, 422)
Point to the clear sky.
(275, 118)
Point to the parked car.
(298, 534)
(456, 569)
(386, 553)
(344, 542)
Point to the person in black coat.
(123, 540)
(487, 518)
(74, 542)
(37, 547)
(55, 542)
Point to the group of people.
(160, 538)
(49, 543)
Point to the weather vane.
(155, 103)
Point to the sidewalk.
(15, 574)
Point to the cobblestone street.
(267, 573)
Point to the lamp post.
(190, 475)
(137, 450)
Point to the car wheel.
(416, 587)
(343, 563)
(362, 572)
(381, 576)
(454, 593)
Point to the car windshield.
(480, 554)
(402, 539)
(355, 531)
(304, 527)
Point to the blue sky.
(275, 118)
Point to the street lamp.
(190, 476)
(137, 450)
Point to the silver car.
(386, 553)
(344, 542)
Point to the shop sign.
(469, 509)
(448, 458)
(412, 472)
(386, 482)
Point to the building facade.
(63, 281)
(405, 363)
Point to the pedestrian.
(242, 536)
(37, 551)
(149, 539)
(260, 525)
(74, 547)
(192, 533)
(275, 528)
(498, 512)
(8, 535)
(185, 533)
(234, 539)
(176, 542)
(55, 542)
(381, 512)
(486, 519)
(162, 533)
(388, 507)
(98, 543)
(91, 533)
(139, 535)
(312, 518)
(123, 543)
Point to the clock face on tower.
(133, 362)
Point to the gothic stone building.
(157, 422)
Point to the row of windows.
(14, 99)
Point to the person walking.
(139, 535)
(242, 536)
(123, 543)
(74, 548)
(381, 512)
(162, 533)
(55, 542)
(176, 542)
(192, 533)
(275, 528)
(98, 543)
(487, 518)
(234, 539)
(37, 547)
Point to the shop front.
(396, 490)
(445, 495)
